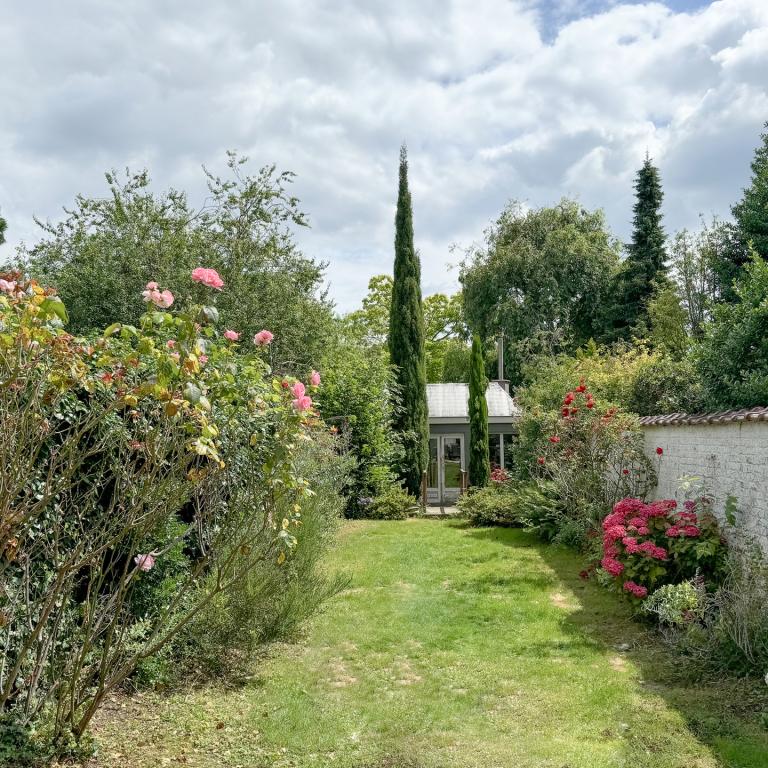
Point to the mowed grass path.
(451, 647)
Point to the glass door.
(452, 465)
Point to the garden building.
(448, 406)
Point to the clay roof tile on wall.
(718, 417)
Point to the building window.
(494, 450)
(509, 451)
(501, 450)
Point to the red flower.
(569, 398)
(554, 439)
(541, 460)
(659, 451)
(625, 471)
(590, 404)
(565, 412)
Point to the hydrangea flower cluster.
(645, 544)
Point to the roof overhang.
(463, 420)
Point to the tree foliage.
(751, 212)
(107, 248)
(644, 269)
(733, 356)
(541, 277)
(406, 340)
(479, 462)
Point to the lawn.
(451, 647)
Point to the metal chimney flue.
(504, 383)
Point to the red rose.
(659, 451)
(540, 460)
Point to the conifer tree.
(3, 225)
(479, 462)
(750, 228)
(406, 341)
(645, 270)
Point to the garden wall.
(728, 450)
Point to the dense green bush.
(496, 504)
(394, 503)
(358, 401)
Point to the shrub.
(146, 474)
(648, 545)
(270, 602)
(496, 504)
(395, 503)
(676, 605)
(593, 455)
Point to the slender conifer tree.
(406, 341)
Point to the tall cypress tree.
(645, 269)
(479, 462)
(406, 341)
(3, 225)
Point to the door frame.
(437, 495)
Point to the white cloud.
(497, 99)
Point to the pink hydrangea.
(650, 549)
(615, 532)
(231, 335)
(144, 562)
(691, 530)
(209, 277)
(314, 379)
(303, 403)
(636, 589)
(609, 565)
(298, 389)
(263, 338)
(630, 543)
(674, 530)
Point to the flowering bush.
(146, 473)
(647, 545)
(593, 454)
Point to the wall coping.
(717, 417)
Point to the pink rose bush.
(208, 277)
(231, 335)
(646, 545)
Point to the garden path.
(451, 647)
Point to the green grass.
(451, 647)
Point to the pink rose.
(298, 389)
(144, 562)
(303, 403)
(231, 335)
(209, 277)
(203, 359)
(262, 338)
(170, 343)
(314, 379)
(8, 286)
(162, 299)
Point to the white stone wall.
(731, 458)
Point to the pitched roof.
(718, 417)
(451, 401)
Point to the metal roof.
(451, 401)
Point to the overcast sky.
(496, 99)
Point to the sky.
(497, 100)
